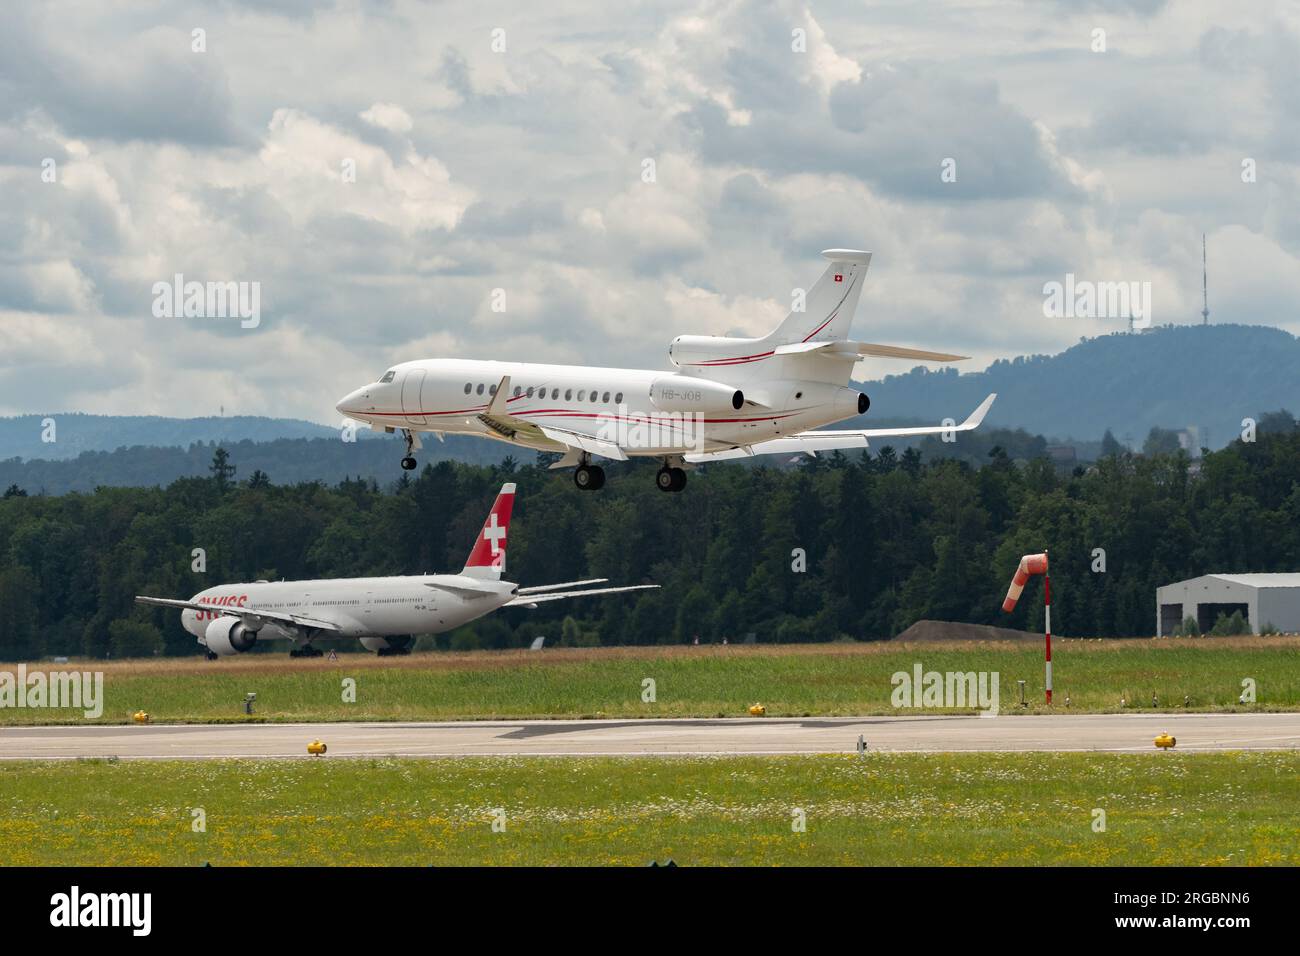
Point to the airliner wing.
(836, 438)
(529, 600)
(252, 617)
(539, 588)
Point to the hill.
(1170, 377)
(284, 460)
(76, 432)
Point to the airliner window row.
(596, 395)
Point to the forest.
(836, 548)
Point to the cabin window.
(468, 386)
(530, 391)
(582, 394)
(595, 396)
(605, 398)
(388, 376)
(555, 394)
(480, 388)
(568, 394)
(618, 399)
(492, 389)
(518, 391)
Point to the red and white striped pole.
(1032, 564)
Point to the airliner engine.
(227, 635)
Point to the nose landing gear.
(412, 443)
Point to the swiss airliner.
(728, 397)
(383, 613)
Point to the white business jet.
(383, 613)
(729, 398)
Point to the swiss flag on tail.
(487, 559)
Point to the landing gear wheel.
(664, 479)
(589, 477)
(670, 479)
(305, 651)
(211, 656)
(408, 463)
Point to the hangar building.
(1261, 598)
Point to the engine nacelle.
(684, 393)
(398, 644)
(227, 635)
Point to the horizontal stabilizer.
(853, 351)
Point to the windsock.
(1029, 564)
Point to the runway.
(1118, 733)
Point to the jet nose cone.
(350, 403)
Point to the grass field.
(992, 809)
(791, 680)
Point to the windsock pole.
(1032, 564)
(1047, 613)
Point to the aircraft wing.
(539, 588)
(253, 618)
(531, 600)
(596, 446)
(839, 438)
(498, 418)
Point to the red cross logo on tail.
(488, 557)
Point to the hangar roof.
(1284, 580)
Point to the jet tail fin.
(829, 305)
(487, 559)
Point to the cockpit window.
(388, 376)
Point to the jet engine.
(384, 646)
(721, 352)
(227, 635)
(683, 393)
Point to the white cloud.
(388, 116)
(522, 170)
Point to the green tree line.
(856, 547)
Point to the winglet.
(977, 416)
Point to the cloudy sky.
(776, 129)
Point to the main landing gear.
(589, 477)
(408, 463)
(306, 651)
(669, 478)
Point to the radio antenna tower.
(1205, 293)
